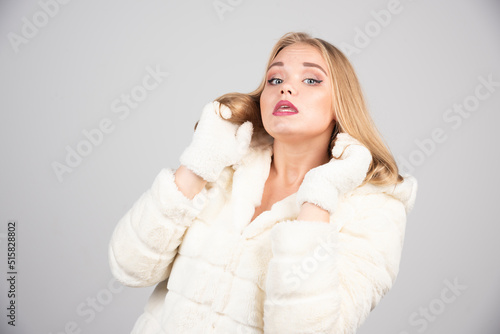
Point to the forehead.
(300, 52)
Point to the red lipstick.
(285, 107)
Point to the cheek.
(264, 98)
(266, 105)
(325, 103)
(325, 97)
(322, 104)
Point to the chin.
(278, 127)
(274, 131)
(286, 135)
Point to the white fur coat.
(217, 273)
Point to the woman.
(286, 215)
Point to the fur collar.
(249, 178)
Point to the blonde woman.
(286, 215)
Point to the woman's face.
(299, 75)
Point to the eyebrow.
(306, 64)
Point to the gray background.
(64, 79)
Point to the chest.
(272, 193)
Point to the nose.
(287, 89)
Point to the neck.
(292, 160)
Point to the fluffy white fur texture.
(217, 143)
(148, 235)
(218, 273)
(324, 184)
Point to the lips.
(285, 107)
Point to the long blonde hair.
(349, 105)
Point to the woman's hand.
(217, 143)
(322, 185)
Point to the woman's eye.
(274, 81)
(312, 81)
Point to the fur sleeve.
(146, 238)
(323, 281)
